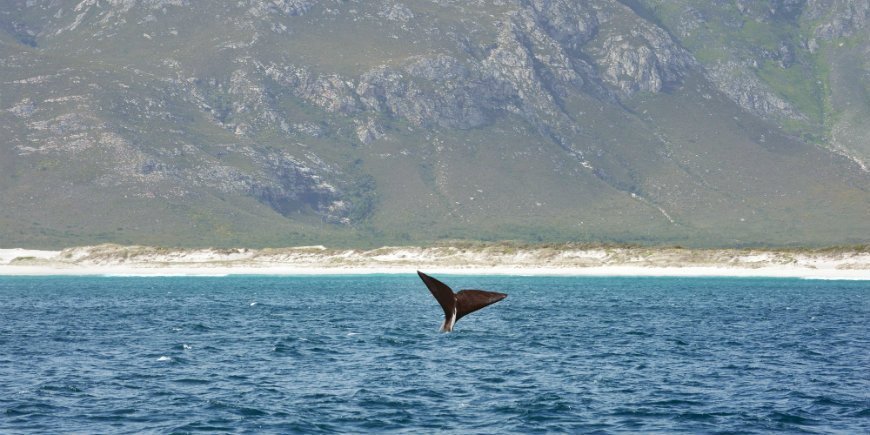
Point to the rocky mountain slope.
(269, 123)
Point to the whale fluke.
(457, 305)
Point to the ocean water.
(358, 354)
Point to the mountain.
(343, 122)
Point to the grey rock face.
(571, 23)
(396, 12)
(369, 131)
(737, 82)
(388, 91)
(646, 60)
(288, 185)
(837, 18)
(330, 92)
(285, 7)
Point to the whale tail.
(458, 305)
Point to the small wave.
(123, 411)
(493, 380)
(198, 426)
(250, 412)
(61, 388)
(199, 327)
(245, 411)
(788, 418)
(32, 409)
(191, 381)
(283, 348)
(678, 403)
(416, 393)
(638, 413)
(172, 360)
(697, 416)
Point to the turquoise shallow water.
(363, 354)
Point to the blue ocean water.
(363, 354)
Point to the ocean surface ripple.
(354, 354)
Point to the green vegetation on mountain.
(362, 123)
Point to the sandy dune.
(491, 259)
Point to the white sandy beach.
(113, 260)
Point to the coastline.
(610, 271)
(114, 260)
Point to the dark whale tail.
(457, 305)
